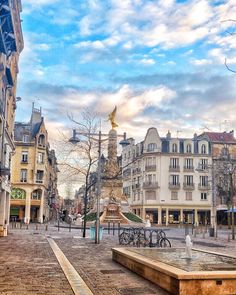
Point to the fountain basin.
(207, 273)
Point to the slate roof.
(220, 137)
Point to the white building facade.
(167, 178)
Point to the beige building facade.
(34, 172)
(169, 179)
(11, 45)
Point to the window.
(174, 148)
(151, 147)
(150, 195)
(174, 162)
(188, 179)
(189, 148)
(24, 157)
(41, 140)
(36, 195)
(189, 163)
(189, 196)
(204, 180)
(40, 158)
(150, 178)
(39, 176)
(203, 164)
(203, 149)
(203, 196)
(25, 138)
(126, 191)
(174, 179)
(174, 195)
(23, 175)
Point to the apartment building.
(34, 194)
(168, 178)
(11, 45)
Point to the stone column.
(181, 216)
(7, 208)
(2, 213)
(159, 216)
(167, 216)
(27, 207)
(195, 217)
(41, 208)
(112, 145)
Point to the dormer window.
(174, 148)
(203, 149)
(25, 138)
(189, 148)
(151, 147)
(41, 140)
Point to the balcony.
(189, 186)
(39, 181)
(150, 168)
(174, 168)
(174, 186)
(150, 185)
(188, 169)
(135, 186)
(204, 187)
(136, 171)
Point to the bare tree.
(77, 161)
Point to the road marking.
(77, 283)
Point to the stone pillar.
(167, 216)
(112, 146)
(181, 216)
(3, 231)
(41, 208)
(7, 208)
(195, 217)
(159, 216)
(27, 207)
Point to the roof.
(220, 137)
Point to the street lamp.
(74, 140)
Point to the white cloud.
(147, 61)
(201, 62)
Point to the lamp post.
(101, 138)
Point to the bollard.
(20, 224)
(70, 226)
(46, 227)
(114, 228)
(109, 227)
(27, 226)
(36, 226)
(58, 225)
(195, 233)
(12, 224)
(203, 234)
(228, 237)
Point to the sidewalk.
(28, 265)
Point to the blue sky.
(161, 63)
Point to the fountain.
(179, 270)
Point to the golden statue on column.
(111, 118)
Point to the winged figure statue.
(111, 118)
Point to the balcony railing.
(174, 185)
(174, 168)
(39, 180)
(150, 167)
(150, 185)
(136, 170)
(204, 186)
(189, 186)
(136, 186)
(188, 169)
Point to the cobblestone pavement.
(28, 265)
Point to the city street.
(28, 264)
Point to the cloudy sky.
(160, 61)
